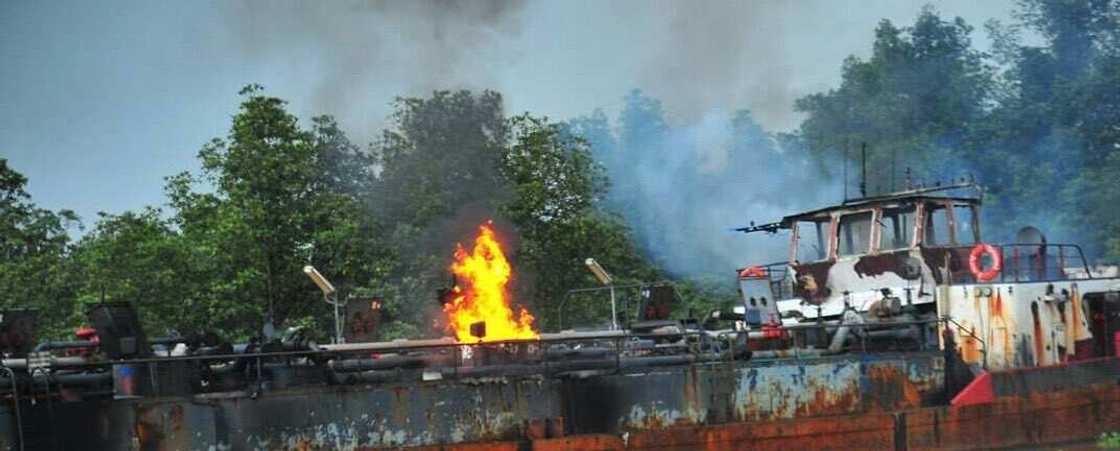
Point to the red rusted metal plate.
(1020, 421)
(588, 442)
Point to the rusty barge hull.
(494, 410)
(881, 401)
(1019, 422)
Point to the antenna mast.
(863, 171)
(845, 170)
(894, 152)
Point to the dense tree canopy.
(915, 99)
(1036, 125)
(35, 268)
(644, 195)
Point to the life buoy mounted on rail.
(974, 262)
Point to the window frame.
(871, 236)
(949, 206)
(823, 226)
(881, 214)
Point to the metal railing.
(1043, 263)
(983, 345)
(1022, 262)
(775, 274)
(608, 352)
(549, 355)
(628, 305)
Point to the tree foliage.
(558, 210)
(35, 271)
(272, 197)
(1036, 123)
(915, 99)
(138, 257)
(453, 160)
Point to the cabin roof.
(904, 197)
(912, 196)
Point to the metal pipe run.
(388, 362)
(64, 344)
(64, 379)
(791, 353)
(52, 362)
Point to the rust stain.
(535, 429)
(1039, 346)
(158, 428)
(1039, 420)
(1075, 306)
(556, 427)
(480, 446)
(891, 389)
(970, 348)
(996, 306)
(1021, 422)
(148, 432)
(176, 417)
(1000, 322)
(590, 442)
(830, 401)
(690, 389)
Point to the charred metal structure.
(912, 256)
(877, 333)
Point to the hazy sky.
(101, 100)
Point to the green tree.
(453, 160)
(282, 197)
(918, 95)
(35, 271)
(438, 180)
(1046, 147)
(139, 258)
(440, 154)
(557, 208)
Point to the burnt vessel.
(892, 325)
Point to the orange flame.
(483, 274)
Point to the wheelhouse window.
(896, 229)
(936, 227)
(812, 243)
(854, 234)
(964, 215)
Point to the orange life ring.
(974, 262)
(753, 272)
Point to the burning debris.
(480, 307)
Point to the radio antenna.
(894, 159)
(845, 170)
(863, 171)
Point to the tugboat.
(918, 255)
